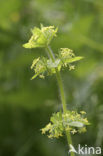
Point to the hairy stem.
(63, 100)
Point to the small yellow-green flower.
(82, 112)
(74, 131)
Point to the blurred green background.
(25, 105)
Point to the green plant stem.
(60, 84)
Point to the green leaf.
(76, 124)
(34, 76)
(71, 60)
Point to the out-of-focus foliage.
(25, 106)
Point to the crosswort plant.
(66, 121)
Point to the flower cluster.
(41, 37)
(70, 121)
(64, 59)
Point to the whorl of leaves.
(41, 37)
(70, 121)
(64, 58)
